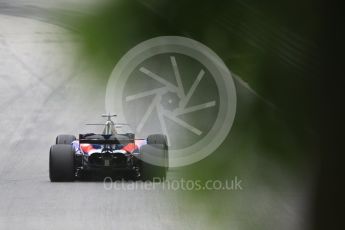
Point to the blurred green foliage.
(273, 47)
(269, 45)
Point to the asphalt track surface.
(41, 95)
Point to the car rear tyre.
(65, 139)
(158, 154)
(62, 163)
(160, 139)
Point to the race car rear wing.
(106, 142)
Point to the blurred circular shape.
(176, 86)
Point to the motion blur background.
(284, 140)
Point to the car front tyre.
(65, 139)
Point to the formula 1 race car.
(109, 153)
